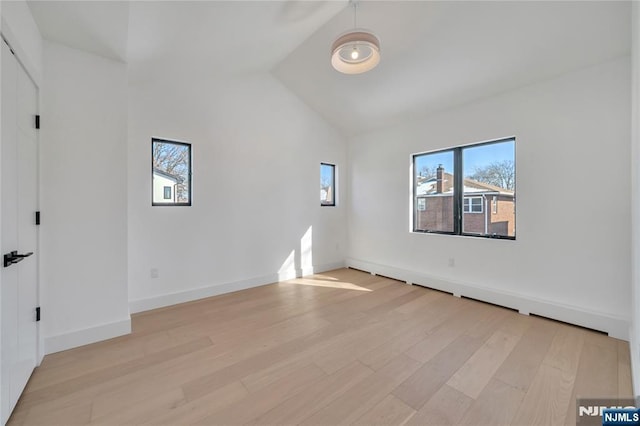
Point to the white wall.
(256, 181)
(635, 199)
(84, 198)
(571, 258)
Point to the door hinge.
(37, 218)
(37, 313)
(37, 121)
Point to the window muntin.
(170, 173)
(472, 176)
(327, 184)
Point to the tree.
(170, 158)
(499, 173)
(428, 172)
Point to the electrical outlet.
(452, 262)
(154, 273)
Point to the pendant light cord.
(355, 15)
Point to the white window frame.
(467, 207)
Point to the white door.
(19, 192)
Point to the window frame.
(189, 174)
(458, 190)
(333, 185)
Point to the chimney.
(439, 179)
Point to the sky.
(486, 154)
(433, 160)
(472, 158)
(326, 173)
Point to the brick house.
(487, 209)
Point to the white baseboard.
(76, 338)
(616, 326)
(140, 305)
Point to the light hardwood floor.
(342, 347)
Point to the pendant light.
(355, 51)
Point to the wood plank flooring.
(342, 347)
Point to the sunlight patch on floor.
(331, 284)
(325, 277)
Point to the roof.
(427, 186)
(160, 172)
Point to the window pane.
(327, 184)
(489, 182)
(433, 183)
(171, 164)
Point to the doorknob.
(14, 257)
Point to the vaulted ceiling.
(435, 54)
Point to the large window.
(171, 173)
(327, 184)
(467, 190)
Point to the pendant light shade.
(355, 51)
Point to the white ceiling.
(435, 55)
(206, 38)
(99, 27)
(185, 39)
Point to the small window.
(171, 173)
(327, 184)
(422, 204)
(494, 205)
(473, 205)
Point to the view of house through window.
(171, 170)
(489, 173)
(480, 201)
(327, 184)
(434, 192)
